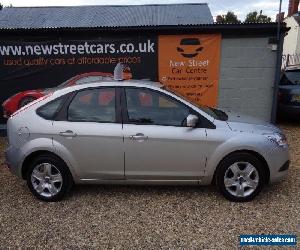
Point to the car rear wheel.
(48, 178)
(25, 101)
(240, 177)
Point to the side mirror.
(192, 120)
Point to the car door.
(157, 144)
(92, 134)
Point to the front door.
(158, 146)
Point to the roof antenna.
(122, 72)
(118, 72)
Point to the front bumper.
(278, 162)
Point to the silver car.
(138, 132)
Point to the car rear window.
(49, 110)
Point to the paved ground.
(146, 217)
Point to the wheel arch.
(29, 158)
(251, 152)
(24, 97)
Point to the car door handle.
(68, 133)
(138, 137)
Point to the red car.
(21, 99)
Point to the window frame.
(63, 114)
(202, 123)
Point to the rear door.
(91, 132)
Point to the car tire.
(48, 178)
(26, 100)
(240, 177)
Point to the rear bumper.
(11, 159)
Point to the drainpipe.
(280, 38)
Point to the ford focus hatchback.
(137, 132)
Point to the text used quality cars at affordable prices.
(138, 132)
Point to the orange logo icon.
(189, 47)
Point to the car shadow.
(201, 193)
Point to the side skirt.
(202, 181)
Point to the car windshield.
(215, 113)
(291, 78)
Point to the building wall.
(291, 44)
(247, 76)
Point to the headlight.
(279, 139)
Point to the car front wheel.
(240, 177)
(48, 178)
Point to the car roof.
(111, 83)
(122, 83)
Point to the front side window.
(93, 105)
(146, 106)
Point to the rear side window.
(49, 110)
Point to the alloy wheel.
(46, 180)
(241, 179)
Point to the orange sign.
(189, 65)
